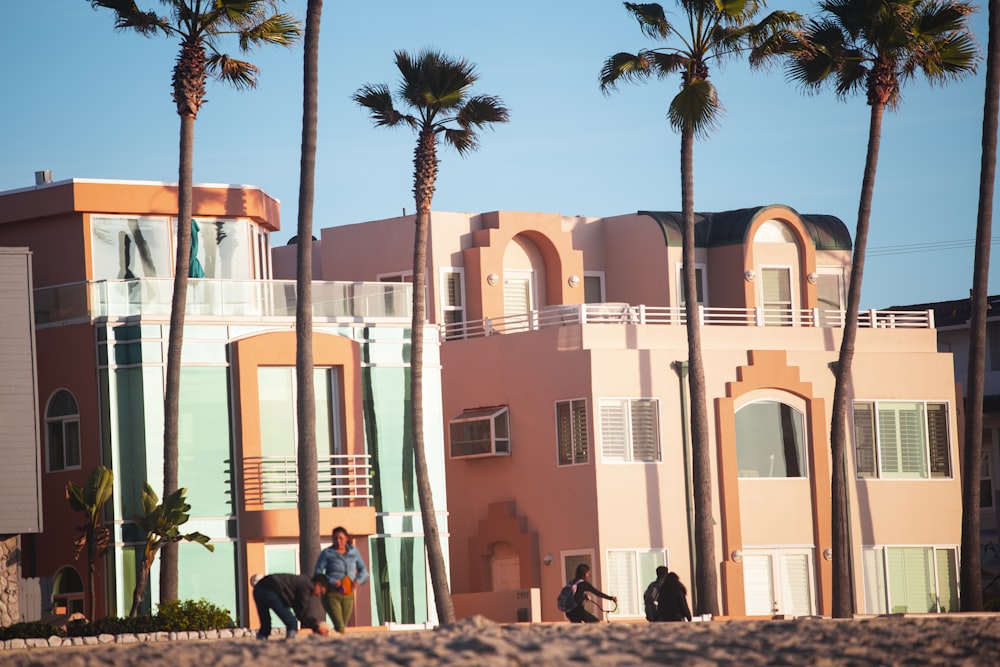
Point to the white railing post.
(701, 315)
(488, 326)
(873, 316)
(930, 319)
(582, 313)
(642, 313)
(758, 316)
(815, 317)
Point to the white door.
(778, 581)
(518, 292)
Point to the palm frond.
(625, 67)
(482, 110)
(696, 107)
(461, 139)
(128, 16)
(280, 29)
(240, 73)
(652, 19)
(378, 100)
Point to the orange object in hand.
(346, 586)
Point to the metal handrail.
(343, 479)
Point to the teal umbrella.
(195, 269)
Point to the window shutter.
(614, 430)
(937, 439)
(912, 441)
(757, 587)
(911, 580)
(453, 289)
(622, 581)
(864, 439)
(795, 588)
(888, 439)
(645, 443)
(874, 572)
(515, 296)
(777, 287)
(947, 581)
(579, 434)
(564, 432)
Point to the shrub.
(119, 626)
(30, 630)
(180, 615)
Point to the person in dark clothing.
(291, 597)
(672, 602)
(583, 586)
(652, 594)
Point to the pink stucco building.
(563, 364)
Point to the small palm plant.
(162, 523)
(94, 535)
(436, 93)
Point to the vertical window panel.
(937, 439)
(864, 439)
(614, 430)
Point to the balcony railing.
(225, 299)
(273, 481)
(623, 313)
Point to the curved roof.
(828, 232)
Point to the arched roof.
(828, 232)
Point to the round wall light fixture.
(492, 279)
(749, 275)
(813, 278)
(548, 559)
(737, 556)
(574, 281)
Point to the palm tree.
(971, 575)
(435, 91)
(161, 522)
(309, 540)
(717, 30)
(872, 47)
(199, 25)
(94, 535)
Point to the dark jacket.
(672, 602)
(584, 587)
(295, 591)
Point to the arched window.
(67, 592)
(770, 439)
(62, 431)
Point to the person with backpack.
(580, 587)
(652, 593)
(672, 604)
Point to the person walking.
(672, 604)
(652, 593)
(583, 586)
(344, 570)
(293, 598)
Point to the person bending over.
(291, 597)
(583, 586)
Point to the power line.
(931, 246)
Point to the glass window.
(571, 431)
(452, 301)
(630, 429)
(901, 439)
(770, 439)
(62, 428)
(699, 283)
(480, 432)
(776, 296)
(915, 579)
(593, 287)
(224, 248)
(629, 572)
(130, 248)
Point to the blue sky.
(87, 102)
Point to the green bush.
(180, 615)
(30, 630)
(119, 626)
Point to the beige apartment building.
(563, 370)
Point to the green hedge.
(176, 616)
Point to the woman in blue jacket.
(342, 566)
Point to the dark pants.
(580, 615)
(268, 601)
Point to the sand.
(933, 640)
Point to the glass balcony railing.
(225, 299)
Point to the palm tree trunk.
(706, 595)
(309, 538)
(843, 584)
(971, 573)
(425, 169)
(171, 396)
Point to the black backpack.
(567, 597)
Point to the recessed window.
(62, 432)
(480, 432)
(571, 431)
(629, 572)
(770, 438)
(914, 579)
(452, 301)
(630, 429)
(699, 283)
(901, 439)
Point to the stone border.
(129, 638)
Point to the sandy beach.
(938, 640)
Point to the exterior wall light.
(548, 559)
(813, 278)
(737, 556)
(828, 554)
(574, 281)
(749, 275)
(492, 279)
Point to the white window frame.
(630, 602)
(778, 313)
(395, 277)
(585, 459)
(599, 275)
(879, 601)
(498, 444)
(62, 421)
(779, 595)
(626, 404)
(589, 555)
(700, 276)
(452, 329)
(796, 405)
(877, 448)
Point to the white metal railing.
(210, 298)
(623, 313)
(273, 481)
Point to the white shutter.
(796, 591)
(580, 441)
(902, 443)
(645, 443)
(516, 299)
(614, 429)
(911, 579)
(874, 573)
(757, 586)
(947, 581)
(622, 581)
